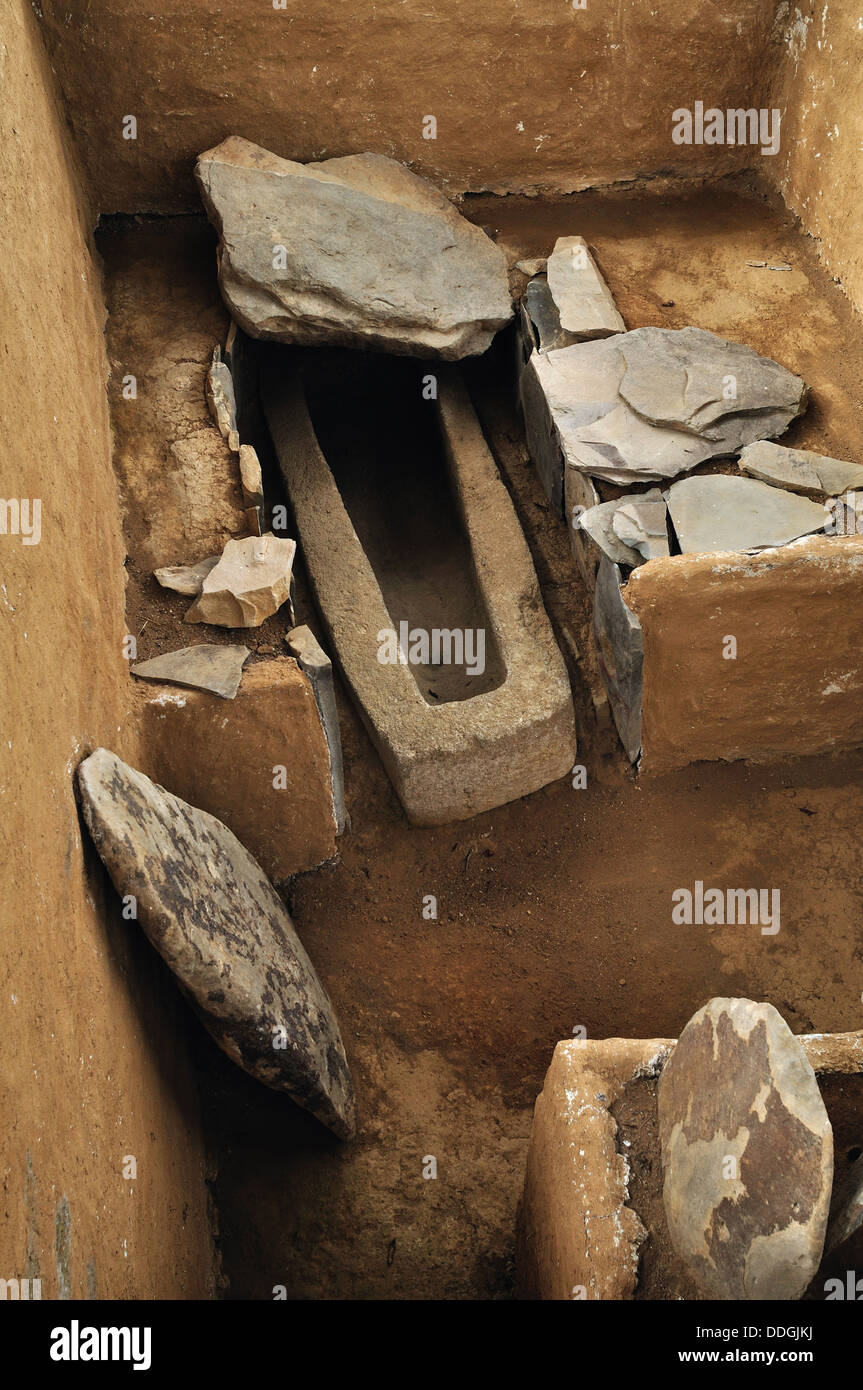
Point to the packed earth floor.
(554, 913)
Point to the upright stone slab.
(620, 654)
(356, 251)
(307, 650)
(846, 1220)
(747, 1153)
(585, 304)
(216, 920)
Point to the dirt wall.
(819, 169)
(100, 1152)
(547, 94)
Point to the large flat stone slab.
(585, 305)
(796, 687)
(693, 380)
(355, 251)
(204, 667)
(747, 1153)
(214, 917)
(653, 403)
(799, 470)
(725, 512)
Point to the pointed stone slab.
(799, 470)
(724, 512)
(584, 302)
(216, 920)
(747, 1153)
(186, 579)
(538, 303)
(220, 396)
(204, 667)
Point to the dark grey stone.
(218, 923)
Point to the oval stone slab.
(747, 1153)
(215, 918)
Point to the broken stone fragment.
(355, 251)
(305, 648)
(220, 397)
(186, 579)
(846, 1220)
(725, 512)
(747, 1153)
(598, 523)
(641, 523)
(620, 654)
(205, 667)
(251, 476)
(584, 302)
(533, 266)
(249, 584)
(214, 917)
(799, 470)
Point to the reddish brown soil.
(555, 911)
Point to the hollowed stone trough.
(423, 578)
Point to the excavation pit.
(456, 955)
